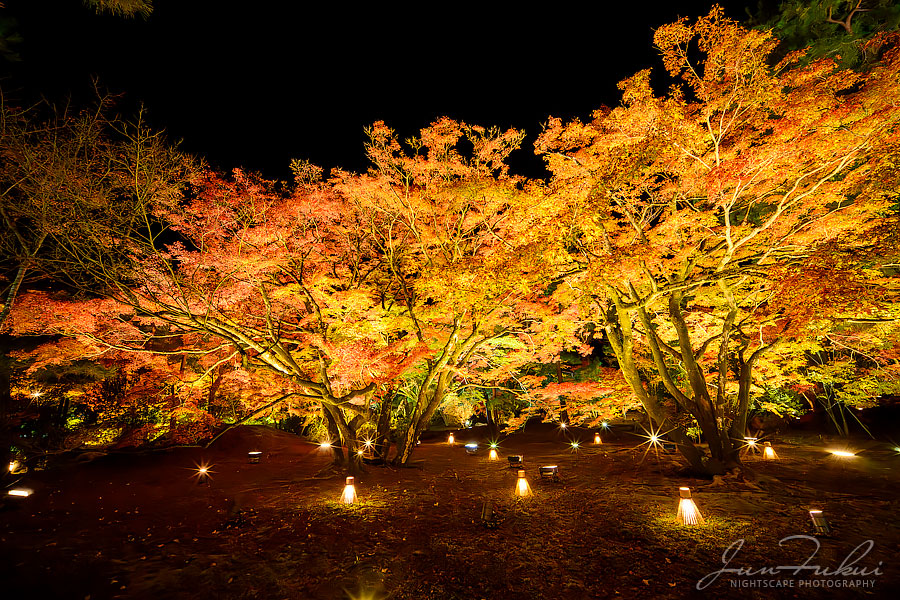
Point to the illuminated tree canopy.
(707, 237)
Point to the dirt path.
(141, 527)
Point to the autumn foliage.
(693, 234)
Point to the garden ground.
(140, 526)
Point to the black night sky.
(255, 84)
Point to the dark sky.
(255, 83)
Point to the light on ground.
(349, 494)
(688, 513)
(523, 490)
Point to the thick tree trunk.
(620, 337)
(491, 417)
(383, 429)
(429, 403)
(344, 435)
(704, 409)
(337, 451)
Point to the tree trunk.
(618, 332)
(345, 436)
(491, 418)
(421, 418)
(563, 413)
(12, 293)
(337, 451)
(213, 390)
(383, 430)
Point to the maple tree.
(835, 29)
(683, 214)
(122, 8)
(367, 297)
(73, 188)
(459, 261)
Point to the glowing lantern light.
(688, 513)
(820, 523)
(575, 445)
(36, 394)
(325, 445)
(597, 439)
(604, 425)
(13, 466)
(843, 453)
(562, 425)
(523, 490)
(349, 495)
(203, 475)
(450, 439)
(254, 456)
(360, 452)
(493, 454)
(20, 492)
(769, 452)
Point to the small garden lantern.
(820, 523)
(349, 495)
(597, 439)
(688, 513)
(523, 490)
(550, 472)
(769, 452)
(450, 439)
(254, 456)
